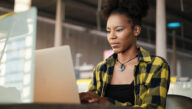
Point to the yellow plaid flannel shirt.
(151, 80)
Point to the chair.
(178, 102)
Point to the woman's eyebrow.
(115, 27)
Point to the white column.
(98, 15)
(161, 45)
(22, 5)
(58, 24)
(179, 69)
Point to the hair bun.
(134, 8)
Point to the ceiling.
(83, 12)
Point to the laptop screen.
(54, 76)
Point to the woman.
(131, 76)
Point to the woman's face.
(120, 34)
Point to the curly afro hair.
(134, 9)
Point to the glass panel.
(17, 44)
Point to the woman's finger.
(93, 100)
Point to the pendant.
(122, 67)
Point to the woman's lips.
(114, 45)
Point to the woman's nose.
(113, 35)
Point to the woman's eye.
(119, 30)
(107, 31)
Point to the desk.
(60, 106)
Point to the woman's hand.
(86, 96)
(90, 97)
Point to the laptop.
(54, 79)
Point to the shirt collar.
(143, 56)
(111, 60)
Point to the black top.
(122, 93)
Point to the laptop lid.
(54, 76)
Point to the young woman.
(131, 76)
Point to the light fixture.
(174, 25)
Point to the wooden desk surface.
(61, 106)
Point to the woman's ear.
(137, 30)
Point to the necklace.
(122, 66)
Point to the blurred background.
(78, 23)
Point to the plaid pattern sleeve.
(151, 81)
(96, 84)
(154, 97)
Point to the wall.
(92, 46)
